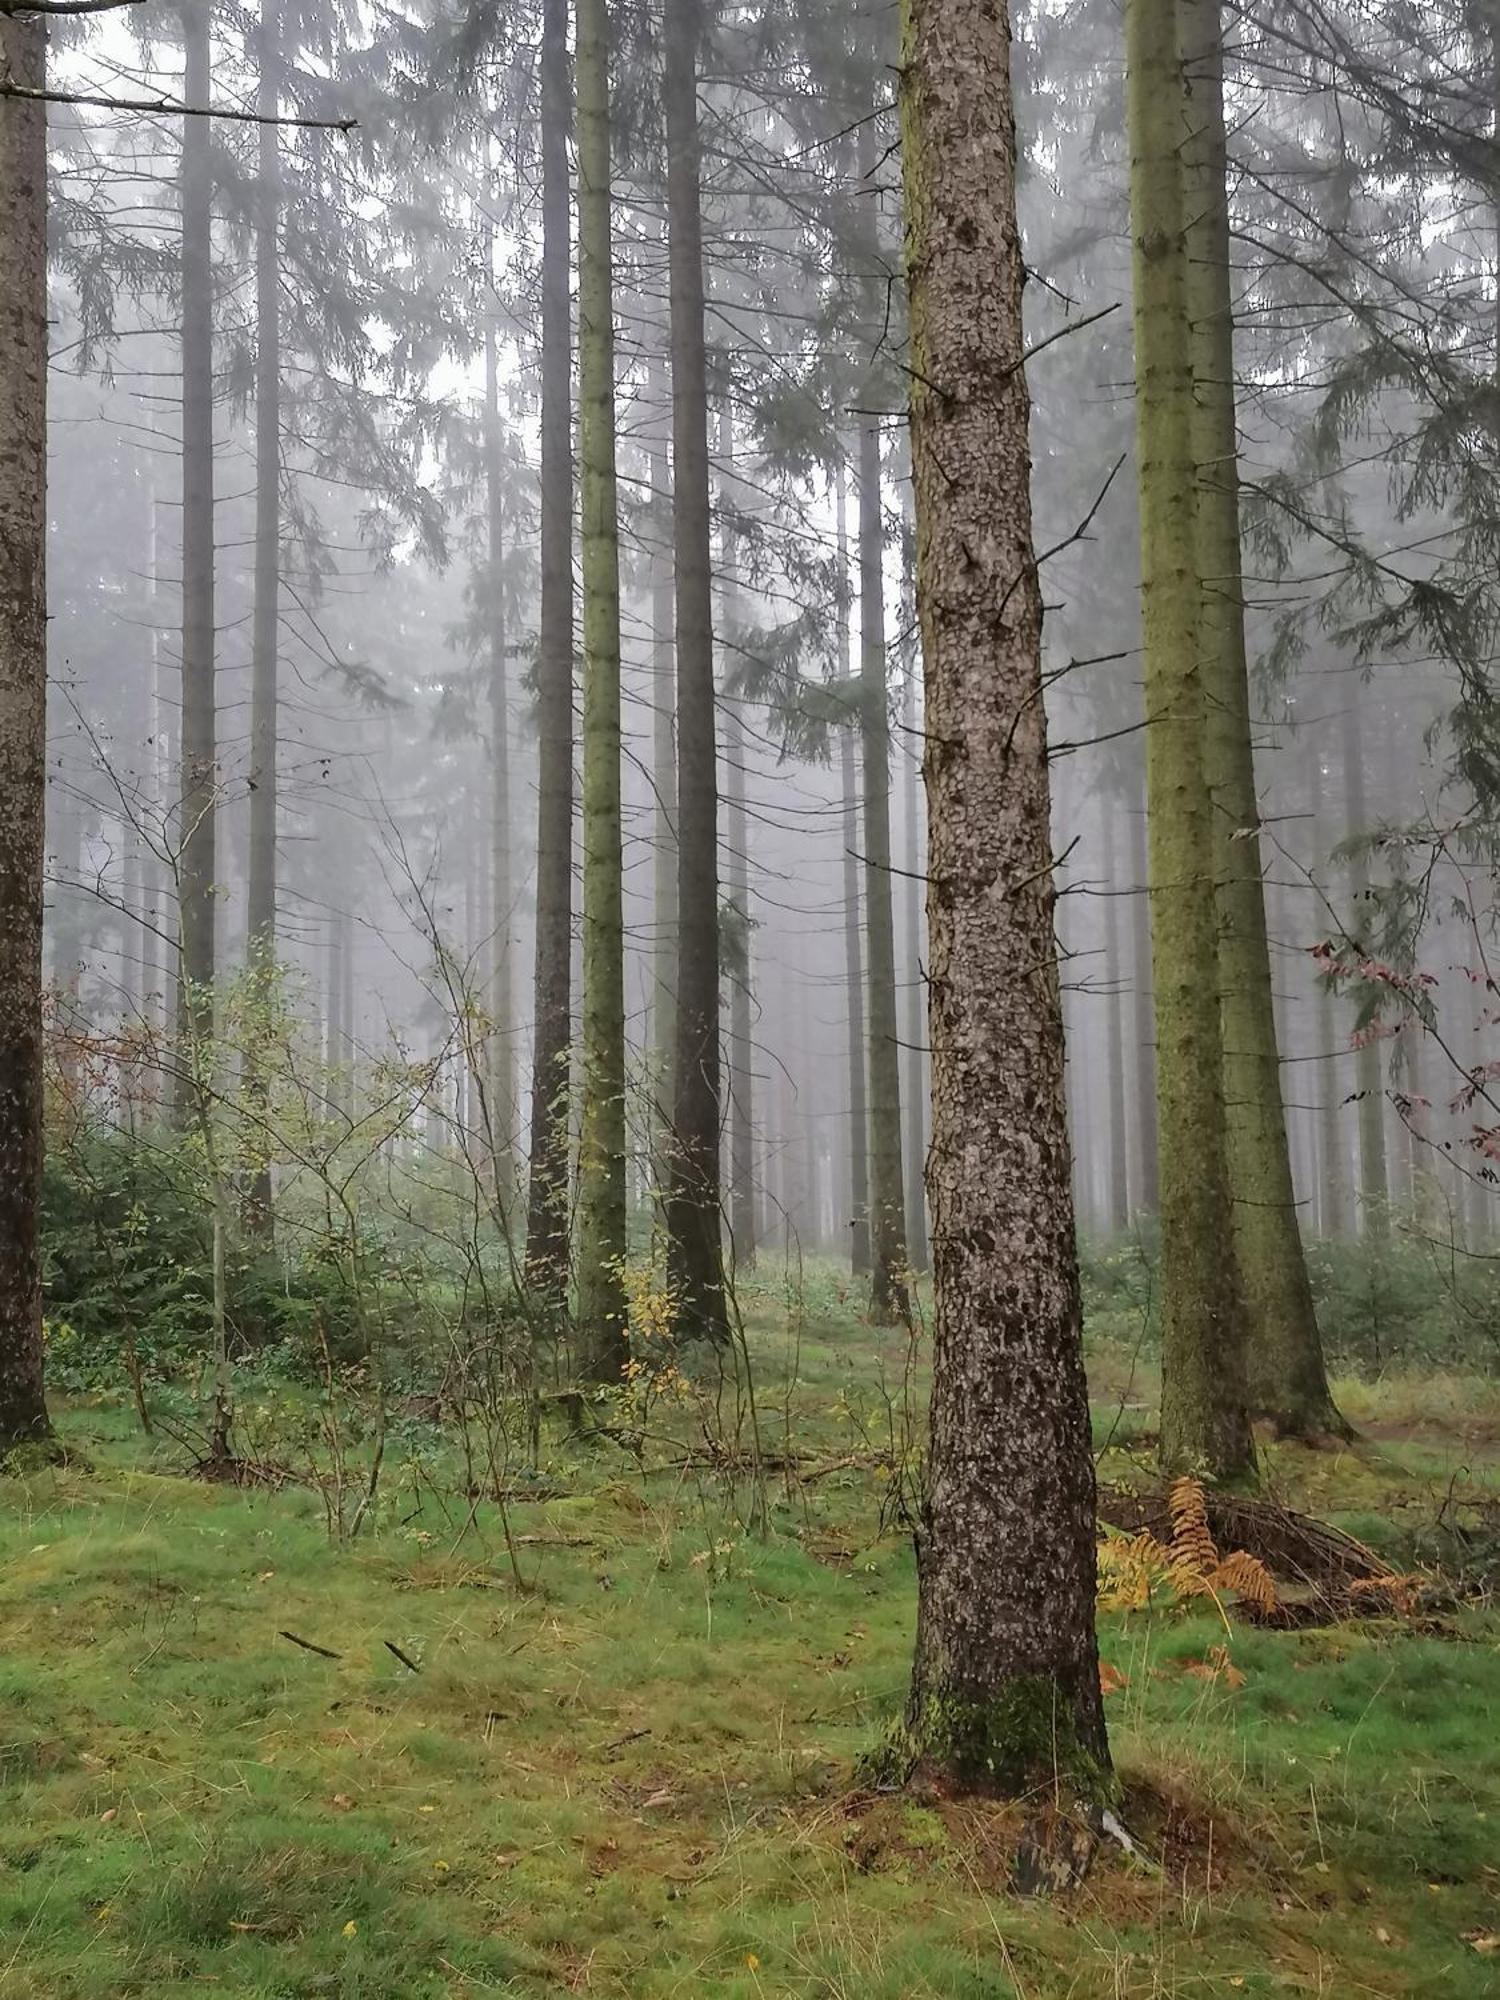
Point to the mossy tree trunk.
(1205, 1424)
(552, 992)
(198, 802)
(1005, 1688)
(600, 1304)
(1285, 1373)
(266, 609)
(23, 724)
(695, 1259)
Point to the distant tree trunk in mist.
(1205, 1425)
(916, 1003)
(500, 1081)
(1146, 1194)
(1369, 1080)
(695, 1261)
(266, 611)
(603, 1329)
(199, 776)
(664, 837)
(23, 725)
(1333, 1176)
(742, 1224)
(888, 1259)
(1114, 975)
(854, 972)
(1285, 1373)
(552, 1003)
(1005, 1685)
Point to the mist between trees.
(504, 641)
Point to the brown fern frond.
(1192, 1539)
(1248, 1577)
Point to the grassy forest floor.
(625, 1762)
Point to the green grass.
(634, 1777)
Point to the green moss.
(1005, 1746)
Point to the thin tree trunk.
(23, 725)
(603, 1344)
(199, 777)
(1147, 1193)
(1204, 1420)
(266, 612)
(1114, 977)
(1333, 1162)
(664, 855)
(552, 1022)
(1369, 1080)
(915, 1096)
(741, 1047)
(854, 973)
(888, 1279)
(1285, 1372)
(694, 1223)
(500, 1082)
(1005, 1687)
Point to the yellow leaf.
(351, 1929)
(752, 1961)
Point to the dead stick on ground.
(307, 1646)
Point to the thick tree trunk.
(1005, 1689)
(1369, 1077)
(552, 1005)
(694, 1222)
(854, 971)
(23, 724)
(266, 612)
(199, 770)
(1205, 1426)
(1285, 1372)
(602, 1325)
(889, 1302)
(500, 1078)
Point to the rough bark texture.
(266, 610)
(1285, 1372)
(602, 1325)
(199, 773)
(854, 968)
(888, 1261)
(23, 727)
(1005, 1689)
(1204, 1421)
(695, 1261)
(552, 996)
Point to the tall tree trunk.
(199, 775)
(1147, 1195)
(741, 1047)
(1114, 976)
(500, 1081)
(1333, 1164)
(1204, 1420)
(552, 1023)
(664, 851)
(854, 973)
(266, 612)
(603, 1330)
(888, 1281)
(916, 1005)
(694, 1223)
(23, 724)
(1369, 1078)
(1285, 1372)
(1005, 1688)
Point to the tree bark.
(1118, 1208)
(1005, 1688)
(23, 725)
(742, 1227)
(1205, 1425)
(266, 609)
(854, 972)
(552, 1001)
(664, 850)
(1146, 1196)
(1369, 1079)
(199, 754)
(695, 1260)
(601, 1312)
(915, 1092)
(1285, 1372)
(500, 1079)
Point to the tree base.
(1018, 1743)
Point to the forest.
(749, 1090)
